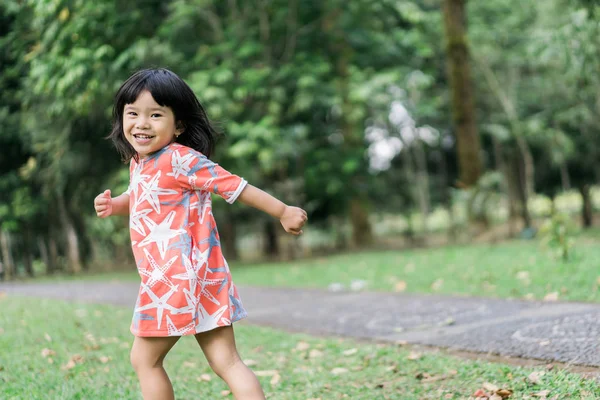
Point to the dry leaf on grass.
(189, 364)
(338, 371)
(535, 377)
(400, 286)
(542, 394)
(225, 393)
(302, 346)
(437, 285)
(314, 353)
(275, 379)
(350, 352)
(104, 359)
(204, 378)
(250, 363)
(48, 352)
(47, 337)
(414, 356)
(269, 372)
(551, 296)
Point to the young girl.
(186, 289)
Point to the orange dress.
(186, 284)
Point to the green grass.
(517, 269)
(97, 339)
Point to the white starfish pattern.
(181, 164)
(206, 186)
(151, 191)
(160, 303)
(161, 234)
(136, 217)
(136, 178)
(209, 321)
(158, 272)
(189, 275)
(174, 331)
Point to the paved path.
(566, 332)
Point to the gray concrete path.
(566, 332)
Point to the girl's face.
(147, 125)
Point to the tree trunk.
(342, 52)
(586, 208)
(52, 255)
(507, 185)
(271, 248)
(43, 248)
(463, 110)
(229, 236)
(73, 253)
(564, 177)
(26, 251)
(8, 262)
(422, 183)
(361, 227)
(523, 192)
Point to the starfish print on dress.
(151, 191)
(160, 303)
(174, 331)
(136, 178)
(158, 272)
(161, 234)
(181, 164)
(135, 220)
(209, 321)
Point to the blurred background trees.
(393, 123)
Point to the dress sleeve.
(194, 171)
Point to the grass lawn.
(517, 269)
(52, 349)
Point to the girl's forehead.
(145, 98)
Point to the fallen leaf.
(47, 337)
(225, 393)
(189, 364)
(400, 286)
(314, 353)
(269, 372)
(204, 378)
(48, 352)
(480, 393)
(495, 397)
(350, 352)
(413, 356)
(543, 394)
(104, 359)
(301, 346)
(338, 371)
(551, 296)
(437, 285)
(490, 387)
(250, 363)
(504, 393)
(535, 377)
(275, 379)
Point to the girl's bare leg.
(147, 355)
(219, 348)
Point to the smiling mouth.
(141, 136)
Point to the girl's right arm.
(105, 205)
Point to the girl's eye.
(131, 113)
(156, 115)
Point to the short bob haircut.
(168, 90)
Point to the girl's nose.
(142, 123)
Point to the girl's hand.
(293, 219)
(103, 204)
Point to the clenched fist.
(103, 204)
(293, 219)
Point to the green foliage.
(557, 234)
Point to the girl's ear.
(179, 128)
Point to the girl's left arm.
(292, 218)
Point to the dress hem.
(189, 333)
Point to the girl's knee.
(220, 365)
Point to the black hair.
(168, 90)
